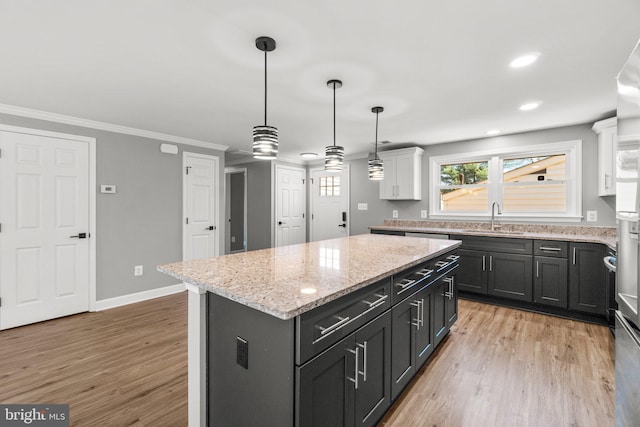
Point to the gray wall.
(365, 191)
(258, 204)
(142, 223)
(236, 210)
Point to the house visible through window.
(329, 186)
(538, 182)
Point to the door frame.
(227, 239)
(92, 195)
(345, 169)
(216, 196)
(274, 194)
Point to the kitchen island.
(305, 333)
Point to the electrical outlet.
(138, 270)
(395, 213)
(592, 216)
(423, 213)
(242, 352)
(363, 206)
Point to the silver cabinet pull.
(537, 268)
(449, 292)
(341, 322)
(484, 263)
(422, 312)
(381, 299)
(355, 377)
(441, 265)
(547, 248)
(424, 272)
(364, 357)
(490, 262)
(453, 257)
(574, 255)
(418, 322)
(404, 283)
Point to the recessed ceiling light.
(530, 106)
(493, 132)
(524, 60)
(308, 155)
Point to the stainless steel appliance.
(627, 318)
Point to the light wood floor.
(498, 367)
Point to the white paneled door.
(200, 206)
(290, 206)
(44, 239)
(329, 204)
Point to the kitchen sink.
(499, 232)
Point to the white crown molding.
(92, 124)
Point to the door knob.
(211, 227)
(79, 236)
(281, 222)
(342, 225)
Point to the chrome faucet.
(493, 218)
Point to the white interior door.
(290, 206)
(44, 240)
(329, 204)
(200, 206)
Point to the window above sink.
(533, 183)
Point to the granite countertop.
(568, 233)
(290, 280)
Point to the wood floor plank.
(498, 367)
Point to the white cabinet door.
(607, 135)
(402, 174)
(388, 184)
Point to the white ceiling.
(440, 68)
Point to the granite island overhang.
(263, 297)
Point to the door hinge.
(311, 216)
(187, 169)
(302, 181)
(311, 179)
(187, 221)
(303, 216)
(0, 302)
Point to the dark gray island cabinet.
(342, 362)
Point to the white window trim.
(573, 151)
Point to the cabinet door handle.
(377, 303)
(537, 268)
(490, 262)
(356, 352)
(364, 357)
(449, 292)
(548, 248)
(422, 312)
(418, 321)
(484, 263)
(606, 181)
(574, 255)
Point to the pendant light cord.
(376, 156)
(334, 114)
(265, 83)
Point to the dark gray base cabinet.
(348, 385)
(587, 278)
(472, 273)
(510, 276)
(412, 338)
(445, 307)
(550, 281)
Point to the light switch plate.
(108, 188)
(423, 213)
(138, 270)
(395, 213)
(363, 206)
(592, 216)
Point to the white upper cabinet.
(607, 135)
(402, 174)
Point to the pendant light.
(265, 138)
(334, 154)
(376, 168)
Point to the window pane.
(464, 173)
(535, 169)
(535, 197)
(464, 199)
(329, 186)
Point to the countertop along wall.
(365, 191)
(142, 223)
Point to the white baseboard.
(106, 304)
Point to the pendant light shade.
(265, 138)
(376, 167)
(334, 154)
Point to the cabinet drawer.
(318, 329)
(497, 244)
(550, 248)
(410, 280)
